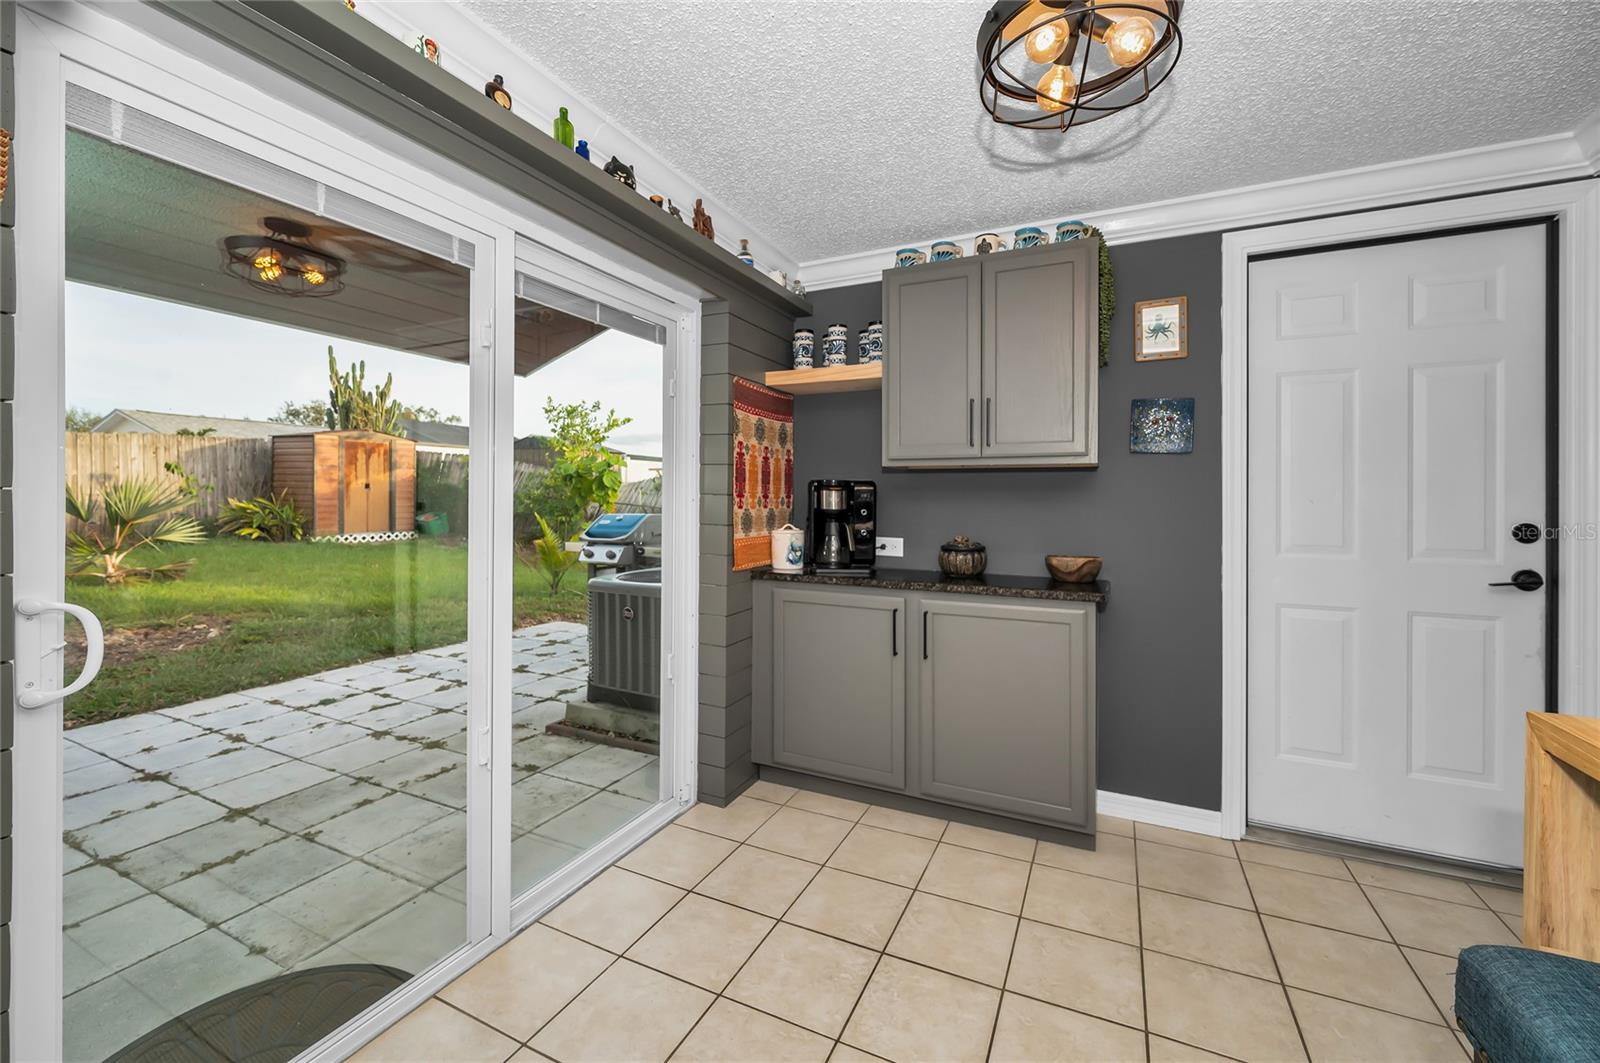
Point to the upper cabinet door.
(932, 317)
(1040, 354)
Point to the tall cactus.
(352, 406)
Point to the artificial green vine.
(1108, 295)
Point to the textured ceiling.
(846, 126)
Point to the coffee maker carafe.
(841, 532)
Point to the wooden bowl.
(1073, 569)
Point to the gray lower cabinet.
(838, 685)
(1001, 695)
(1003, 708)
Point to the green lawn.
(284, 610)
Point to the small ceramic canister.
(988, 243)
(1028, 236)
(863, 347)
(945, 250)
(805, 345)
(836, 344)
(874, 342)
(788, 549)
(909, 256)
(1070, 230)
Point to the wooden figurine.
(702, 221)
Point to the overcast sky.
(141, 353)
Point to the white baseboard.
(1160, 813)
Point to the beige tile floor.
(794, 926)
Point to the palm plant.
(127, 517)
(273, 518)
(554, 558)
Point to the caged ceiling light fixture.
(1055, 64)
(276, 264)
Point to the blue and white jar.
(863, 347)
(1028, 236)
(909, 256)
(945, 250)
(805, 345)
(874, 342)
(1071, 230)
(836, 344)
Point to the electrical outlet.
(891, 547)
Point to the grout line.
(1288, 1002)
(1011, 955)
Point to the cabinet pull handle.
(894, 633)
(924, 634)
(988, 422)
(972, 415)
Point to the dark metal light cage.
(1007, 76)
(295, 262)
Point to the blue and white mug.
(909, 256)
(1071, 230)
(1028, 236)
(945, 250)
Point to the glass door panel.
(266, 787)
(588, 611)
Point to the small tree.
(584, 476)
(312, 414)
(352, 406)
(127, 516)
(555, 561)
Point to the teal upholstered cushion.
(1525, 1006)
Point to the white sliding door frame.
(229, 99)
(1575, 208)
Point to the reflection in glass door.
(266, 439)
(588, 604)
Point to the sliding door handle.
(29, 694)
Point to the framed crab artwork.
(1161, 329)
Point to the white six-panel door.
(1397, 433)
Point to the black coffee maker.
(841, 532)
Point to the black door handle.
(1523, 579)
(924, 634)
(972, 416)
(894, 633)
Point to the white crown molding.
(473, 52)
(1159, 813)
(1558, 157)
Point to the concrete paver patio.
(322, 820)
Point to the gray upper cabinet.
(993, 360)
(1005, 708)
(838, 685)
(932, 324)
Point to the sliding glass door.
(265, 804)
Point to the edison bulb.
(1056, 88)
(267, 266)
(1045, 43)
(1129, 40)
(313, 276)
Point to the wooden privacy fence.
(240, 468)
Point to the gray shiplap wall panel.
(738, 340)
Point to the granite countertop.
(989, 584)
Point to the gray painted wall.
(8, 300)
(1156, 519)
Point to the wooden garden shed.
(348, 483)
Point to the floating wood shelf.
(829, 378)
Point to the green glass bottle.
(563, 131)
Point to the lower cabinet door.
(838, 685)
(1005, 708)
